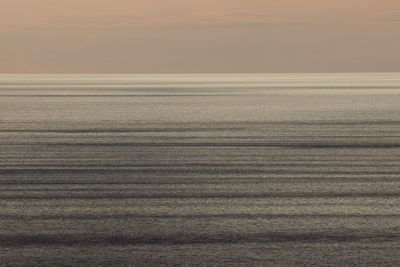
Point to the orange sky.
(130, 36)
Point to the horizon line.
(186, 73)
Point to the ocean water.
(232, 169)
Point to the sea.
(200, 170)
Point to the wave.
(186, 239)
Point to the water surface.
(233, 169)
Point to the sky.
(207, 36)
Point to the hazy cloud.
(218, 20)
(392, 17)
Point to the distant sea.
(200, 169)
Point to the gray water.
(234, 169)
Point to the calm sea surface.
(234, 169)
